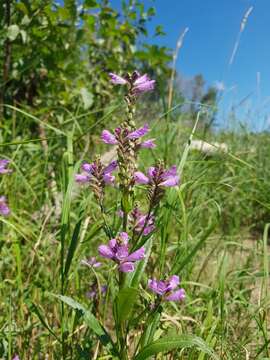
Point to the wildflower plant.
(4, 208)
(135, 299)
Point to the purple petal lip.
(124, 237)
(116, 79)
(4, 209)
(109, 179)
(91, 262)
(106, 251)
(151, 171)
(126, 267)
(141, 79)
(82, 178)
(140, 178)
(148, 144)
(140, 224)
(170, 181)
(87, 167)
(167, 289)
(148, 229)
(177, 295)
(3, 165)
(117, 250)
(159, 287)
(144, 87)
(113, 244)
(136, 255)
(139, 132)
(111, 167)
(171, 172)
(108, 138)
(173, 282)
(121, 253)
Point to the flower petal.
(126, 267)
(177, 295)
(142, 79)
(4, 209)
(171, 172)
(91, 262)
(82, 178)
(136, 255)
(106, 251)
(173, 282)
(124, 237)
(139, 132)
(87, 167)
(116, 79)
(108, 138)
(151, 171)
(159, 287)
(171, 181)
(3, 164)
(148, 229)
(140, 178)
(111, 167)
(108, 178)
(144, 87)
(148, 144)
(121, 253)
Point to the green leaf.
(23, 35)
(87, 98)
(12, 32)
(125, 302)
(73, 245)
(169, 343)
(91, 321)
(140, 269)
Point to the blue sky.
(208, 45)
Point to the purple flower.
(158, 176)
(143, 84)
(91, 171)
(142, 222)
(108, 138)
(139, 132)
(3, 164)
(91, 262)
(16, 357)
(4, 209)
(117, 250)
(148, 144)
(121, 136)
(167, 289)
(116, 79)
(138, 84)
(140, 178)
(94, 290)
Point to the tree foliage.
(56, 54)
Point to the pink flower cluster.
(89, 172)
(139, 83)
(168, 178)
(167, 289)
(120, 136)
(126, 138)
(118, 251)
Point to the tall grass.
(215, 226)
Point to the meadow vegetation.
(212, 229)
